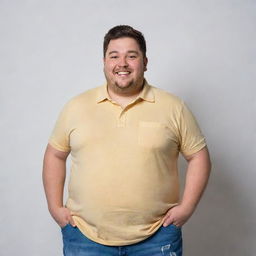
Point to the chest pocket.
(152, 134)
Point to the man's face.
(124, 65)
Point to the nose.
(123, 62)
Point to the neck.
(124, 99)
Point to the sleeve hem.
(58, 147)
(194, 150)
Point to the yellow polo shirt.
(124, 175)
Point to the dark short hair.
(124, 31)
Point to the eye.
(113, 57)
(132, 56)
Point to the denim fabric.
(166, 241)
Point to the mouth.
(123, 73)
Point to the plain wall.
(202, 51)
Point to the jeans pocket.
(172, 238)
(173, 229)
(174, 226)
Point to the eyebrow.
(131, 51)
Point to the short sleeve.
(59, 138)
(191, 137)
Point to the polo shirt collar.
(146, 93)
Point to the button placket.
(121, 121)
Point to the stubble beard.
(124, 88)
(130, 88)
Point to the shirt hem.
(118, 243)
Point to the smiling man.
(124, 66)
(124, 138)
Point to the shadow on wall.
(223, 223)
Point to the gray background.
(202, 51)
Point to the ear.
(145, 61)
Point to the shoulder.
(166, 98)
(84, 99)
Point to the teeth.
(123, 73)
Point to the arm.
(198, 172)
(54, 174)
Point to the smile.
(123, 73)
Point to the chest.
(143, 127)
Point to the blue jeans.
(166, 241)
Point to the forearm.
(198, 172)
(54, 174)
(197, 176)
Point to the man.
(124, 138)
